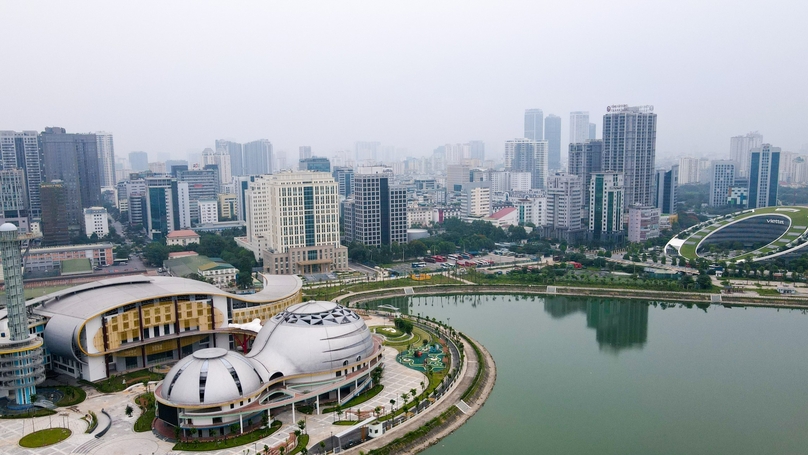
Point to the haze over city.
(170, 78)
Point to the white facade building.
(643, 223)
(739, 149)
(208, 211)
(476, 200)
(96, 221)
(221, 159)
(564, 202)
(532, 210)
(106, 158)
(526, 155)
(293, 222)
(722, 178)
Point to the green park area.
(45, 437)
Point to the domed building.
(312, 353)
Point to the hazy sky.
(170, 77)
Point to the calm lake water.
(583, 376)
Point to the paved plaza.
(122, 440)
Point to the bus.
(418, 265)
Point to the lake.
(607, 376)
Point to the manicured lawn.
(199, 446)
(121, 382)
(388, 331)
(45, 437)
(302, 442)
(147, 412)
(72, 395)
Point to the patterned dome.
(229, 374)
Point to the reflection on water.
(618, 324)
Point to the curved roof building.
(311, 352)
(110, 326)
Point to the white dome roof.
(210, 376)
(311, 337)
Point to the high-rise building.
(208, 211)
(184, 205)
(202, 184)
(691, 169)
(475, 199)
(606, 208)
(73, 159)
(740, 148)
(477, 150)
(457, 175)
(527, 155)
(106, 158)
(171, 164)
(666, 188)
(579, 127)
(564, 205)
(293, 223)
(764, 169)
(228, 206)
(54, 214)
(629, 146)
(534, 124)
(258, 159)
(13, 203)
(344, 177)
(315, 163)
(220, 159)
(305, 152)
(583, 160)
(236, 153)
(138, 161)
(21, 150)
(552, 134)
(162, 207)
(366, 150)
(379, 211)
(643, 223)
(158, 168)
(722, 178)
(21, 355)
(593, 131)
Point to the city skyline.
(190, 105)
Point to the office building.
(73, 159)
(344, 178)
(629, 146)
(693, 170)
(258, 158)
(379, 208)
(138, 161)
(552, 134)
(293, 223)
(106, 158)
(722, 178)
(583, 160)
(457, 175)
(96, 221)
(162, 211)
(366, 151)
(158, 168)
(208, 211)
(666, 188)
(526, 155)
(13, 203)
(54, 214)
(477, 151)
(171, 165)
(593, 131)
(228, 206)
(764, 169)
(220, 159)
(21, 150)
(564, 206)
(643, 223)
(534, 124)
(740, 149)
(579, 127)
(236, 153)
(475, 201)
(315, 163)
(606, 207)
(202, 184)
(184, 205)
(532, 210)
(305, 152)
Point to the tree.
(129, 410)
(704, 281)
(301, 424)
(155, 253)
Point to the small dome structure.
(311, 337)
(228, 373)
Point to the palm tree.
(392, 405)
(301, 424)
